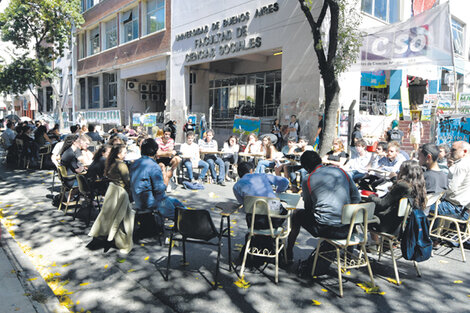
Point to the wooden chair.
(44, 151)
(393, 241)
(63, 176)
(353, 215)
(450, 229)
(260, 206)
(196, 226)
(88, 196)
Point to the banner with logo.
(453, 129)
(422, 39)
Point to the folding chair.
(62, 172)
(196, 226)
(88, 195)
(404, 209)
(352, 214)
(450, 229)
(261, 206)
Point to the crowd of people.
(133, 167)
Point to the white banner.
(422, 39)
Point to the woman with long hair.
(253, 144)
(95, 173)
(410, 184)
(230, 156)
(337, 156)
(115, 169)
(269, 151)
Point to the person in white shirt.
(230, 156)
(9, 135)
(358, 165)
(191, 158)
(294, 127)
(207, 146)
(253, 145)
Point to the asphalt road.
(96, 281)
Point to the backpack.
(395, 135)
(415, 242)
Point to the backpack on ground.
(415, 242)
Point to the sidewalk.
(17, 293)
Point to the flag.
(422, 39)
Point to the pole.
(73, 71)
(454, 94)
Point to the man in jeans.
(457, 197)
(325, 192)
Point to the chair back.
(19, 144)
(83, 186)
(433, 198)
(359, 213)
(195, 224)
(261, 206)
(404, 209)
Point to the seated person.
(94, 136)
(210, 145)
(83, 154)
(457, 197)
(68, 158)
(191, 158)
(54, 133)
(149, 181)
(358, 164)
(9, 135)
(436, 179)
(326, 190)
(230, 156)
(443, 156)
(288, 149)
(40, 136)
(95, 172)
(259, 185)
(410, 184)
(380, 152)
(253, 144)
(120, 134)
(292, 169)
(336, 156)
(269, 151)
(166, 153)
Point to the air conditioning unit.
(154, 88)
(155, 97)
(131, 85)
(144, 87)
(144, 96)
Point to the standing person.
(149, 181)
(269, 153)
(9, 134)
(326, 190)
(189, 126)
(415, 132)
(172, 125)
(115, 169)
(294, 127)
(276, 130)
(191, 158)
(230, 156)
(210, 145)
(355, 136)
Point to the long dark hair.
(115, 150)
(232, 136)
(269, 147)
(68, 142)
(101, 150)
(411, 173)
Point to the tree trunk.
(331, 109)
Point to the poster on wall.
(453, 129)
(464, 102)
(445, 100)
(428, 102)
(136, 119)
(246, 124)
(405, 103)
(393, 108)
(149, 120)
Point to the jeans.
(230, 159)
(263, 164)
(448, 209)
(356, 175)
(212, 162)
(202, 164)
(293, 176)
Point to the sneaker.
(200, 181)
(221, 183)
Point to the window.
(93, 92)
(386, 10)
(70, 80)
(110, 90)
(49, 101)
(130, 25)
(457, 37)
(110, 34)
(94, 41)
(40, 100)
(155, 15)
(81, 46)
(82, 93)
(86, 4)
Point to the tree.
(40, 31)
(335, 50)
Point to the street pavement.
(54, 246)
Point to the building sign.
(226, 36)
(100, 117)
(453, 129)
(423, 39)
(429, 102)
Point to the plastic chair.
(450, 229)
(404, 209)
(260, 206)
(89, 196)
(352, 214)
(196, 226)
(62, 172)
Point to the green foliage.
(40, 31)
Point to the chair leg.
(219, 246)
(315, 259)
(459, 234)
(229, 242)
(53, 181)
(62, 194)
(418, 272)
(338, 260)
(285, 250)
(68, 200)
(381, 248)
(276, 276)
(395, 267)
(247, 247)
(363, 249)
(76, 207)
(169, 256)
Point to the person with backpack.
(415, 132)
(394, 134)
(410, 184)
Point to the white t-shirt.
(192, 152)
